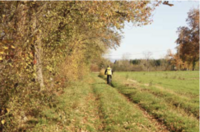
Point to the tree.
(188, 39)
(147, 57)
(42, 40)
(126, 56)
(167, 3)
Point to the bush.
(101, 73)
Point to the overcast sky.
(157, 37)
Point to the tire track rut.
(160, 126)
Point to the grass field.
(171, 97)
(182, 82)
(136, 102)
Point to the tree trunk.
(193, 64)
(38, 58)
(38, 53)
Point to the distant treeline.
(148, 65)
(143, 65)
(164, 64)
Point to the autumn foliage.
(188, 42)
(46, 45)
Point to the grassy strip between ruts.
(119, 115)
(174, 120)
(74, 111)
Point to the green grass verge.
(75, 110)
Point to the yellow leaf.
(5, 47)
(34, 74)
(1, 52)
(1, 58)
(13, 47)
(31, 55)
(8, 110)
(3, 121)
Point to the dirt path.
(96, 112)
(94, 115)
(84, 109)
(94, 106)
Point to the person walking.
(109, 73)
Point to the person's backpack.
(109, 71)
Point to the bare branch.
(167, 3)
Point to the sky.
(157, 37)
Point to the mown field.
(171, 97)
(136, 102)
